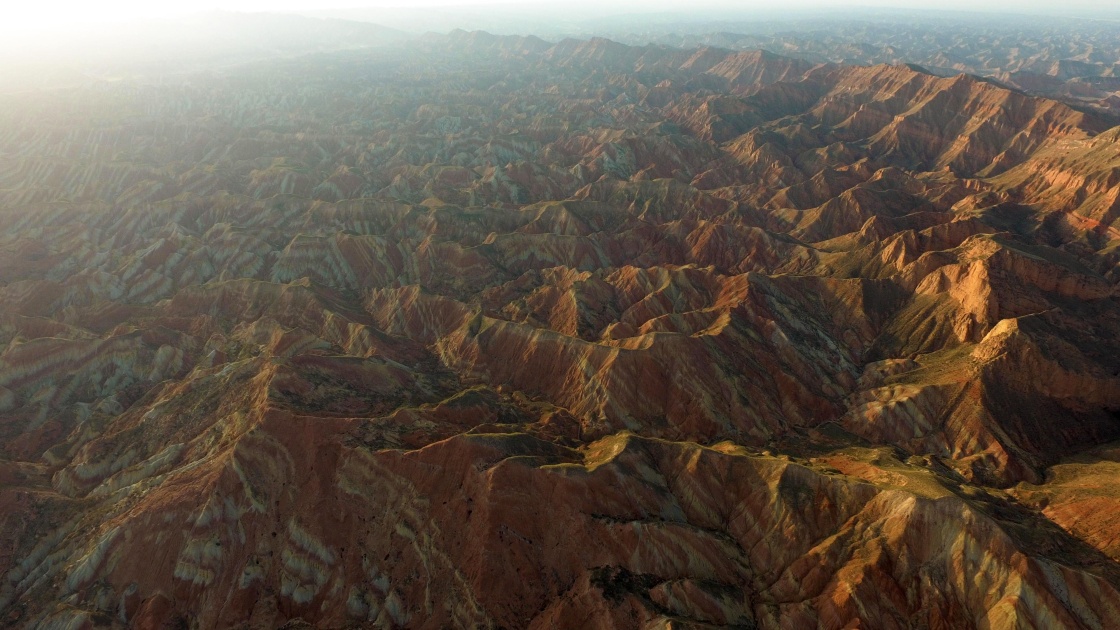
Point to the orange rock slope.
(502, 333)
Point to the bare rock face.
(503, 333)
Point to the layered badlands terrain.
(496, 332)
(1068, 58)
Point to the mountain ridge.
(494, 334)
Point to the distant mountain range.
(1070, 59)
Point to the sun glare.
(43, 22)
(33, 18)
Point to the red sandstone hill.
(504, 333)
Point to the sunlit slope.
(497, 332)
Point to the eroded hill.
(498, 332)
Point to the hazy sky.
(36, 15)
